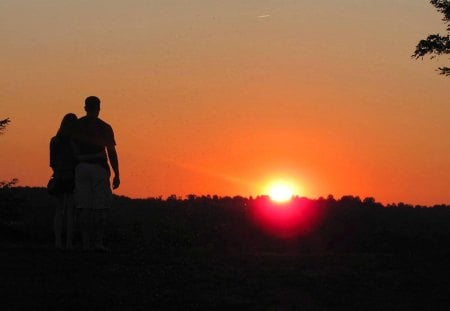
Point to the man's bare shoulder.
(97, 121)
(104, 124)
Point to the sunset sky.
(225, 97)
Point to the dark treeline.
(348, 224)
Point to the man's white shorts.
(92, 187)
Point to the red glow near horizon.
(286, 220)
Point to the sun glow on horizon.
(281, 191)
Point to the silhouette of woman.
(63, 162)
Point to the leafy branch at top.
(435, 45)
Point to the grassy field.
(203, 254)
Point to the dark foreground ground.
(36, 277)
(167, 258)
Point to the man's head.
(92, 105)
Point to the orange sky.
(222, 97)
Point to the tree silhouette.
(6, 184)
(3, 124)
(7, 200)
(436, 45)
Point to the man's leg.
(101, 203)
(99, 228)
(85, 226)
(83, 201)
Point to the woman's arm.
(93, 156)
(52, 153)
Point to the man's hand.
(116, 182)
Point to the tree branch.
(3, 124)
(434, 44)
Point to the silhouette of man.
(94, 145)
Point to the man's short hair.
(92, 103)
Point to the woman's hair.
(67, 125)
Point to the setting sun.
(281, 192)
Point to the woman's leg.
(69, 212)
(58, 220)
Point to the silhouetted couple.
(79, 155)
